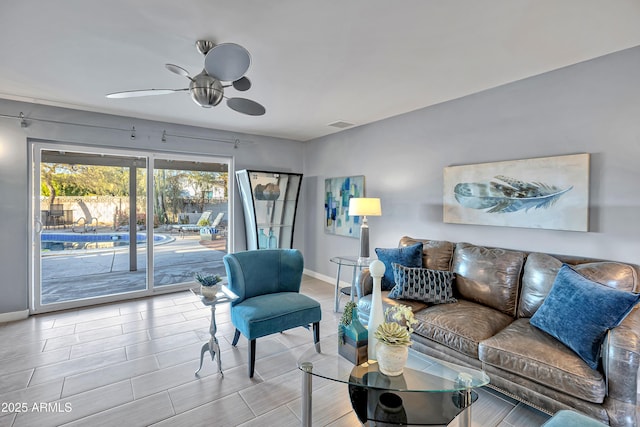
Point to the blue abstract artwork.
(337, 192)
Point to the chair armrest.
(364, 283)
(621, 359)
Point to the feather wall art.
(549, 192)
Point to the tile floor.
(132, 364)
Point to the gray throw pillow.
(422, 284)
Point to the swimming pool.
(71, 241)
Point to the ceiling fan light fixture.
(227, 62)
(204, 46)
(246, 106)
(205, 90)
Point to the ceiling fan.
(225, 62)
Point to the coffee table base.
(400, 408)
(411, 408)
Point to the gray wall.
(592, 107)
(264, 153)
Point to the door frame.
(35, 147)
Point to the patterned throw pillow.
(423, 284)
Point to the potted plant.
(347, 315)
(209, 284)
(394, 339)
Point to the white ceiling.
(314, 62)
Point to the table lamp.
(364, 206)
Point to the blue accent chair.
(267, 282)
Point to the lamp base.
(364, 239)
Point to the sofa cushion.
(578, 312)
(436, 254)
(540, 271)
(410, 256)
(364, 305)
(422, 284)
(461, 325)
(526, 351)
(489, 276)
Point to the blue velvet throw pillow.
(409, 256)
(579, 312)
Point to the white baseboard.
(13, 316)
(325, 278)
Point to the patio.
(78, 274)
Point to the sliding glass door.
(97, 237)
(191, 205)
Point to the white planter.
(391, 358)
(209, 292)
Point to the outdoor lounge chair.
(196, 227)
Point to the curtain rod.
(132, 131)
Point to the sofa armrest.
(364, 283)
(621, 359)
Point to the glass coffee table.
(429, 392)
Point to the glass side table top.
(428, 392)
(350, 261)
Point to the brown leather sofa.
(498, 291)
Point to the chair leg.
(316, 336)
(316, 332)
(236, 337)
(252, 357)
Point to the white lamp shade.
(364, 206)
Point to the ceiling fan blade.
(227, 62)
(242, 84)
(178, 70)
(143, 92)
(246, 106)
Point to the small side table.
(349, 261)
(225, 295)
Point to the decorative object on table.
(210, 285)
(337, 219)
(394, 339)
(376, 314)
(263, 239)
(549, 192)
(364, 206)
(272, 241)
(389, 410)
(269, 202)
(352, 336)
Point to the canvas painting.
(550, 193)
(337, 192)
